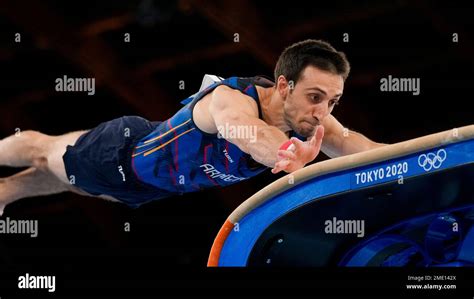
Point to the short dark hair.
(320, 54)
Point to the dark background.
(183, 40)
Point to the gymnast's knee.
(41, 163)
(39, 145)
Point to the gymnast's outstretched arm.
(230, 107)
(240, 111)
(339, 141)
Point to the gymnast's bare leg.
(42, 154)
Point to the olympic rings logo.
(432, 160)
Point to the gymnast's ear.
(282, 86)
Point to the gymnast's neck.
(271, 104)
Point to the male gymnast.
(134, 161)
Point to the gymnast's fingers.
(279, 166)
(286, 154)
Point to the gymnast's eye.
(316, 98)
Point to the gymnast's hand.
(300, 154)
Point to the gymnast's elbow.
(377, 145)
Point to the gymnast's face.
(311, 100)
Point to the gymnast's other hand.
(302, 152)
